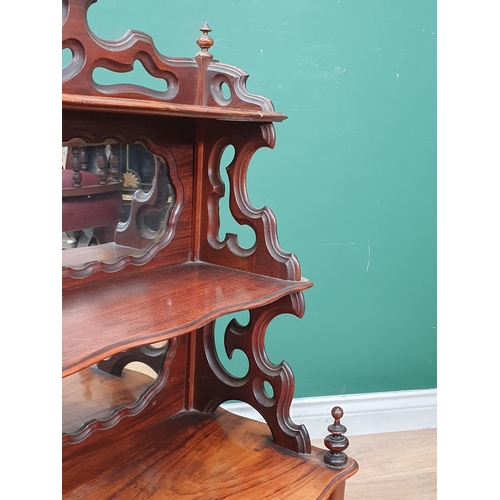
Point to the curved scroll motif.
(266, 256)
(90, 52)
(235, 78)
(191, 81)
(214, 385)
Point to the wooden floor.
(402, 465)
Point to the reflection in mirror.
(117, 383)
(116, 201)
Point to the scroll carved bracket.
(266, 256)
(213, 384)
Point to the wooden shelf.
(145, 107)
(197, 455)
(102, 318)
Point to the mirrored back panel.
(117, 201)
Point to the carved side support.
(213, 384)
(266, 256)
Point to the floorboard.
(402, 465)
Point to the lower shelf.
(201, 456)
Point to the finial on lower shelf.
(336, 442)
(205, 42)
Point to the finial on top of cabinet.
(336, 442)
(205, 42)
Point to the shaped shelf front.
(193, 455)
(102, 318)
(150, 107)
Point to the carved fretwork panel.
(266, 256)
(192, 81)
(213, 384)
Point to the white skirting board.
(370, 413)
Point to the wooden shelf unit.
(153, 294)
(157, 305)
(198, 455)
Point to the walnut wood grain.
(195, 455)
(105, 317)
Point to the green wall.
(352, 179)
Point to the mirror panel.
(117, 200)
(106, 388)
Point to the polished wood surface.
(193, 456)
(139, 106)
(172, 441)
(106, 317)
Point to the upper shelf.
(165, 108)
(103, 318)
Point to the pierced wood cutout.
(266, 256)
(120, 413)
(191, 81)
(215, 385)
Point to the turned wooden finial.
(336, 442)
(205, 42)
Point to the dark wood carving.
(214, 385)
(336, 442)
(190, 81)
(266, 256)
(174, 441)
